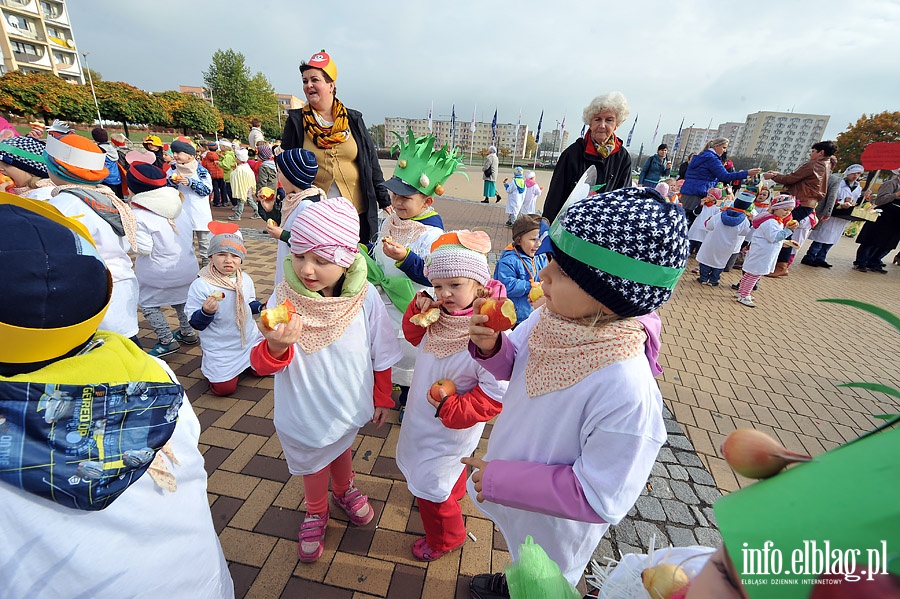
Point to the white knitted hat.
(460, 254)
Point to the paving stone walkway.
(774, 368)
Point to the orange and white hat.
(75, 159)
(321, 60)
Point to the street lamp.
(93, 93)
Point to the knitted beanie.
(299, 166)
(264, 151)
(61, 288)
(25, 153)
(226, 238)
(143, 177)
(183, 146)
(75, 159)
(625, 248)
(524, 224)
(460, 254)
(783, 200)
(744, 200)
(662, 188)
(715, 192)
(330, 229)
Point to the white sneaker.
(747, 301)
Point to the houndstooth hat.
(626, 248)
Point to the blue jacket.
(516, 277)
(654, 170)
(704, 172)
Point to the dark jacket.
(704, 172)
(614, 171)
(884, 232)
(370, 176)
(808, 183)
(654, 171)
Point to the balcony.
(51, 10)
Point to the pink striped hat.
(330, 229)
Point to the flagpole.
(537, 140)
(472, 129)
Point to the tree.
(377, 133)
(235, 127)
(262, 98)
(504, 152)
(128, 104)
(90, 74)
(228, 78)
(46, 96)
(869, 128)
(530, 146)
(189, 113)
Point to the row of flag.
(562, 128)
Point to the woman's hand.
(282, 336)
(380, 416)
(394, 251)
(479, 465)
(768, 174)
(753, 172)
(485, 338)
(211, 305)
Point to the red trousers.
(226, 388)
(443, 522)
(340, 472)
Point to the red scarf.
(589, 145)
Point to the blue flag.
(494, 127)
(628, 141)
(537, 136)
(678, 138)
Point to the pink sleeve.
(500, 363)
(653, 327)
(551, 489)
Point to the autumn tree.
(128, 104)
(377, 133)
(530, 146)
(869, 128)
(46, 96)
(189, 113)
(235, 127)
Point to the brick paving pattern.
(774, 368)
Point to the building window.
(26, 49)
(17, 22)
(51, 10)
(63, 58)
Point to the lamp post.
(93, 93)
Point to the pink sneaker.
(356, 505)
(312, 537)
(423, 552)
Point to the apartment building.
(37, 38)
(785, 136)
(463, 137)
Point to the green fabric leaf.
(874, 387)
(885, 315)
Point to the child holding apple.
(332, 363)
(770, 229)
(297, 170)
(220, 303)
(444, 421)
(582, 418)
(519, 265)
(406, 237)
(195, 184)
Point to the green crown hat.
(423, 168)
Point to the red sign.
(881, 155)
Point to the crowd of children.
(400, 316)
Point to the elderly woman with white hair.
(489, 174)
(599, 147)
(832, 226)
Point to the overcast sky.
(701, 60)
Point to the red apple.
(445, 384)
(501, 313)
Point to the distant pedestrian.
(489, 174)
(656, 168)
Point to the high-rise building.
(463, 137)
(732, 131)
(37, 38)
(692, 141)
(783, 136)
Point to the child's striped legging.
(747, 283)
